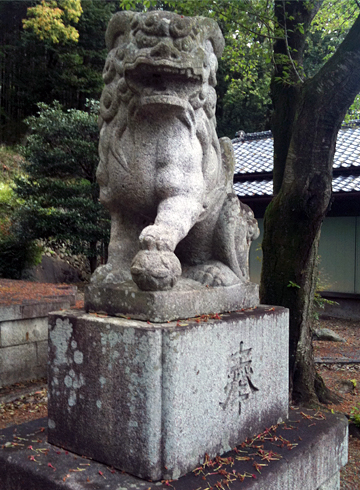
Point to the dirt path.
(340, 377)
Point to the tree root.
(323, 393)
(312, 397)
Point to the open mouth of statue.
(161, 79)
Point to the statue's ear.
(118, 29)
(212, 32)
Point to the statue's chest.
(152, 143)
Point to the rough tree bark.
(307, 117)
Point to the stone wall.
(23, 338)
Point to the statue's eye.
(181, 27)
(152, 24)
(120, 52)
(184, 44)
(187, 45)
(144, 41)
(150, 21)
(135, 23)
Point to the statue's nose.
(165, 50)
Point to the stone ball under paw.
(153, 270)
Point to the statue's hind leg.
(226, 263)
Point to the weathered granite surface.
(152, 399)
(314, 462)
(164, 175)
(186, 299)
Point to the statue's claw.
(212, 274)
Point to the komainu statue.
(164, 175)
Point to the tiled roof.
(254, 188)
(254, 151)
(349, 183)
(254, 155)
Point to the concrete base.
(318, 451)
(187, 299)
(348, 306)
(152, 399)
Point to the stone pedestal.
(186, 299)
(152, 399)
(319, 450)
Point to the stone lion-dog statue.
(164, 175)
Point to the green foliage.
(322, 284)
(336, 18)
(51, 20)
(320, 302)
(8, 204)
(293, 285)
(34, 70)
(328, 30)
(16, 254)
(354, 110)
(245, 71)
(59, 191)
(355, 416)
(16, 251)
(6, 195)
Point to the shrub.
(17, 254)
(59, 192)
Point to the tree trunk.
(307, 117)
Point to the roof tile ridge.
(241, 136)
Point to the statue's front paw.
(156, 237)
(153, 270)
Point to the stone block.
(152, 399)
(42, 354)
(332, 483)
(19, 472)
(186, 299)
(20, 363)
(23, 331)
(36, 309)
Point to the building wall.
(339, 253)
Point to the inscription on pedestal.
(239, 385)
